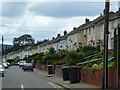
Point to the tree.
(23, 40)
(51, 50)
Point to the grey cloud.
(13, 9)
(67, 9)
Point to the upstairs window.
(89, 30)
(112, 24)
(85, 32)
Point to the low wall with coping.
(91, 76)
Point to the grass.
(110, 64)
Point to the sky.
(44, 19)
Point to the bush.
(96, 57)
(58, 63)
(111, 64)
(50, 58)
(89, 49)
(88, 65)
(74, 57)
(39, 62)
(110, 54)
(51, 50)
(35, 57)
(10, 60)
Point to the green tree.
(23, 40)
(51, 50)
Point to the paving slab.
(66, 84)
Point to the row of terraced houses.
(91, 33)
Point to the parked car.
(21, 63)
(28, 66)
(2, 70)
(8, 63)
(5, 65)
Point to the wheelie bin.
(65, 73)
(74, 74)
(50, 69)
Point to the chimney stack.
(65, 32)
(104, 12)
(86, 20)
(53, 38)
(58, 35)
(74, 28)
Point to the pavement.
(66, 84)
(0, 83)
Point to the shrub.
(35, 57)
(96, 57)
(111, 64)
(89, 49)
(88, 65)
(50, 58)
(51, 50)
(58, 63)
(74, 57)
(39, 62)
(110, 54)
(10, 60)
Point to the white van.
(21, 63)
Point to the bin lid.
(74, 67)
(49, 65)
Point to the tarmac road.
(15, 77)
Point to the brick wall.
(41, 67)
(58, 70)
(112, 77)
(38, 66)
(91, 76)
(119, 82)
(95, 77)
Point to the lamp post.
(2, 49)
(106, 32)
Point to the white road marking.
(22, 87)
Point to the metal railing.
(89, 61)
(82, 63)
(92, 55)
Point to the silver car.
(2, 70)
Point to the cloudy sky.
(44, 19)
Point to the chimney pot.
(65, 32)
(53, 38)
(58, 35)
(104, 12)
(74, 28)
(86, 20)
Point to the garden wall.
(91, 76)
(41, 67)
(95, 77)
(58, 70)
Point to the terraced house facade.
(91, 33)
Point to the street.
(15, 77)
